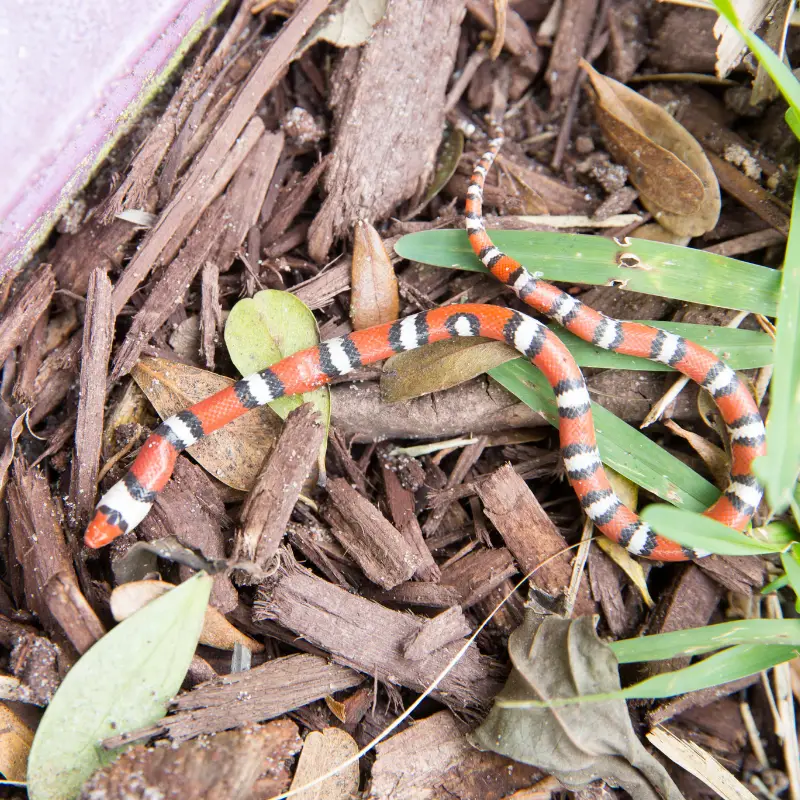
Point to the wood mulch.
(256, 162)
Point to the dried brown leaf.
(322, 751)
(715, 458)
(440, 366)
(15, 744)
(556, 658)
(375, 298)
(676, 182)
(234, 454)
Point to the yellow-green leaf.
(121, 684)
(263, 329)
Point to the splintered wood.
(370, 637)
(269, 505)
(530, 534)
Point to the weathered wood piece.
(401, 506)
(530, 534)
(258, 694)
(269, 505)
(368, 637)
(235, 765)
(218, 234)
(50, 583)
(381, 159)
(190, 509)
(449, 626)
(432, 760)
(19, 319)
(98, 337)
(476, 574)
(381, 551)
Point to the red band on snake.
(124, 506)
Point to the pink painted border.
(29, 209)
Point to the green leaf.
(121, 684)
(740, 349)
(621, 446)
(695, 641)
(263, 329)
(778, 470)
(791, 565)
(659, 269)
(729, 665)
(704, 533)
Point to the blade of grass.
(740, 349)
(778, 470)
(729, 665)
(661, 269)
(694, 641)
(732, 664)
(621, 446)
(703, 533)
(791, 566)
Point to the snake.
(129, 500)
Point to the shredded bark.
(210, 313)
(49, 580)
(255, 695)
(475, 575)
(382, 552)
(449, 626)
(219, 233)
(209, 174)
(690, 603)
(247, 763)
(98, 336)
(577, 18)
(21, 316)
(269, 504)
(433, 759)
(402, 508)
(530, 534)
(380, 158)
(368, 637)
(190, 509)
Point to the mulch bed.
(256, 164)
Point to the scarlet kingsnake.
(124, 506)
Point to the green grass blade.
(739, 349)
(778, 470)
(694, 641)
(791, 566)
(704, 533)
(664, 270)
(729, 665)
(621, 446)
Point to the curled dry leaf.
(450, 152)
(217, 632)
(234, 454)
(322, 751)
(375, 298)
(715, 458)
(15, 744)
(440, 366)
(675, 179)
(556, 658)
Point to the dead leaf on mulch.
(322, 751)
(375, 298)
(440, 366)
(234, 454)
(15, 744)
(675, 179)
(557, 658)
(217, 632)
